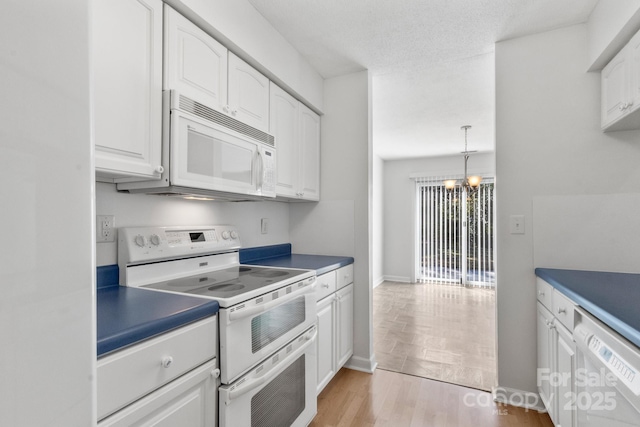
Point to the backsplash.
(146, 210)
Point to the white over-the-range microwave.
(209, 155)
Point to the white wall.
(610, 26)
(47, 319)
(240, 27)
(378, 243)
(548, 143)
(341, 224)
(399, 204)
(133, 210)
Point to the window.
(455, 238)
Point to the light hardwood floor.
(436, 331)
(392, 399)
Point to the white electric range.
(266, 321)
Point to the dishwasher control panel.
(617, 364)
(610, 349)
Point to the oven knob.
(234, 234)
(225, 235)
(140, 240)
(155, 239)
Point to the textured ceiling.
(431, 60)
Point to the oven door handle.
(269, 375)
(246, 312)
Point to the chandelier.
(469, 183)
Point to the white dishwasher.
(607, 375)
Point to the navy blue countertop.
(281, 256)
(126, 316)
(614, 298)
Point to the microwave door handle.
(268, 376)
(240, 314)
(260, 170)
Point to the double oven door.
(253, 330)
(279, 392)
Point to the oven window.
(271, 325)
(281, 401)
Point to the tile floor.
(436, 331)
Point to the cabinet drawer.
(129, 374)
(345, 276)
(563, 309)
(326, 285)
(191, 397)
(544, 291)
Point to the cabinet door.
(248, 94)
(344, 328)
(309, 154)
(545, 358)
(195, 63)
(634, 57)
(615, 88)
(127, 84)
(191, 400)
(284, 126)
(325, 342)
(565, 366)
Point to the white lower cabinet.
(335, 324)
(326, 347)
(556, 354)
(344, 327)
(168, 380)
(188, 401)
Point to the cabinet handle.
(159, 169)
(234, 112)
(562, 311)
(540, 293)
(167, 361)
(225, 108)
(215, 373)
(325, 285)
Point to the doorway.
(443, 326)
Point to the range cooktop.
(229, 283)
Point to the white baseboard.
(514, 397)
(361, 364)
(402, 279)
(378, 282)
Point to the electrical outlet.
(105, 228)
(264, 225)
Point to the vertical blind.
(455, 233)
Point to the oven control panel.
(146, 244)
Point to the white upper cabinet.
(615, 82)
(195, 63)
(127, 88)
(310, 154)
(297, 132)
(621, 89)
(634, 54)
(284, 126)
(248, 94)
(204, 70)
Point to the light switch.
(516, 224)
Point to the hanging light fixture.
(469, 183)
